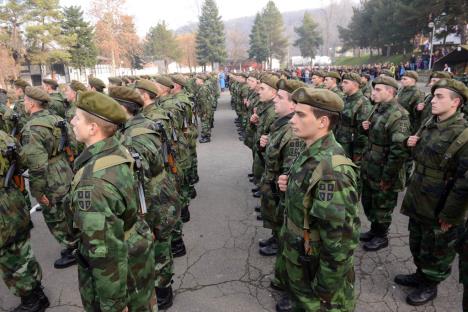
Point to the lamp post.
(432, 26)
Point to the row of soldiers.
(321, 151)
(113, 175)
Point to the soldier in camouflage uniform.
(116, 269)
(317, 79)
(96, 84)
(251, 103)
(321, 227)
(18, 267)
(5, 110)
(366, 84)
(409, 96)
(203, 99)
(57, 100)
(71, 93)
(436, 198)
(382, 167)
(332, 79)
(357, 107)
(243, 95)
(142, 135)
(16, 118)
(49, 169)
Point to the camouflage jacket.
(425, 199)
(349, 131)
(367, 90)
(5, 114)
(386, 149)
(266, 115)
(250, 128)
(409, 97)
(50, 173)
(20, 111)
(332, 210)
(203, 99)
(70, 111)
(104, 209)
(57, 104)
(338, 92)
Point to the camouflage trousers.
(205, 119)
(378, 205)
(269, 200)
(258, 167)
(433, 251)
(18, 267)
(54, 217)
(280, 278)
(164, 262)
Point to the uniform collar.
(94, 150)
(354, 96)
(441, 125)
(42, 112)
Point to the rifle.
(141, 178)
(12, 156)
(167, 151)
(15, 120)
(64, 145)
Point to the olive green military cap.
(389, 81)
(454, 85)
(165, 81)
(179, 79)
(101, 106)
(115, 80)
(318, 73)
(270, 80)
(367, 76)
(96, 83)
(289, 85)
(412, 74)
(125, 94)
(50, 82)
(333, 75)
(352, 77)
(77, 86)
(20, 83)
(440, 75)
(320, 98)
(146, 85)
(386, 72)
(37, 94)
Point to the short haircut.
(107, 128)
(332, 116)
(132, 108)
(454, 95)
(151, 95)
(393, 90)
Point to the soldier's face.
(252, 82)
(381, 93)
(329, 82)
(407, 81)
(27, 105)
(349, 87)
(80, 126)
(316, 80)
(304, 124)
(443, 104)
(433, 81)
(266, 93)
(283, 106)
(70, 94)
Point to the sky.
(178, 13)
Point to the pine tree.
(12, 17)
(258, 44)
(309, 38)
(83, 52)
(161, 44)
(211, 45)
(274, 32)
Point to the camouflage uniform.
(367, 90)
(409, 98)
(204, 104)
(326, 283)
(338, 92)
(349, 132)
(50, 173)
(250, 128)
(384, 161)
(57, 104)
(114, 241)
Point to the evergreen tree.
(274, 32)
(210, 40)
(258, 49)
(83, 51)
(309, 39)
(12, 17)
(161, 44)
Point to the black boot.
(165, 297)
(285, 304)
(178, 248)
(380, 239)
(255, 189)
(67, 259)
(270, 250)
(267, 241)
(423, 294)
(259, 217)
(257, 208)
(204, 140)
(257, 194)
(36, 301)
(409, 280)
(367, 236)
(185, 214)
(276, 287)
(250, 175)
(193, 192)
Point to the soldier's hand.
(412, 141)
(125, 310)
(43, 200)
(263, 140)
(420, 106)
(366, 124)
(385, 186)
(444, 226)
(254, 119)
(283, 182)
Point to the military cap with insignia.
(125, 94)
(101, 106)
(37, 94)
(20, 83)
(385, 80)
(289, 85)
(50, 82)
(412, 74)
(352, 77)
(77, 86)
(97, 83)
(115, 80)
(333, 75)
(163, 80)
(319, 98)
(454, 85)
(270, 80)
(146, 85)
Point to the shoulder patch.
(326, 190)
(84, 199)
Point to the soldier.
(49, 169)
(57, 100)
(96, 84)
(332, 79)
(409, 96)
(17, 117)
(71, 94)
(317, 79)
(251, 103)
(357, 107)
(436, 198)
(115, 82)
(366, 84)
(5, 110)
(143, 136)
(321, 226)
(18, 266)
(382, 167)
(203, 102)
(115, 271)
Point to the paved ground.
(223, 270)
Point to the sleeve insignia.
(84, 199)
(326, 190)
